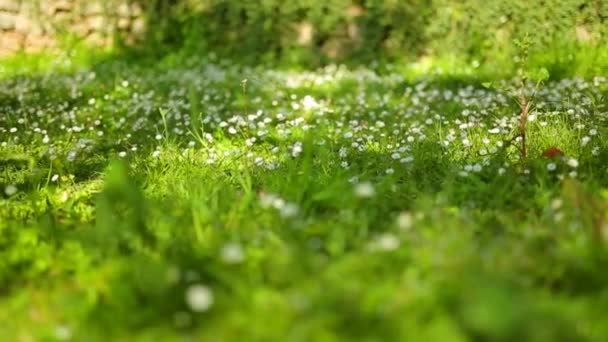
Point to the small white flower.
(593, 131)
(71, 156)
(278, 203)
(309, 102)
(199, 298)
(232, 253)
(54, 178)
(390, 171)
(556, 203)
(348, 135)
(387, 242)
(551, 166)
(122, 154)
(572, 174)
(288, 210)
(267, 199)
(63, 333)
(501, 171)
(364, 190)
(477, 168)
(405, 220)
(573, 163)
(296, 149)
(232, 130)
(585, 140)
(155, 154)
(395, 155)
(10, 190)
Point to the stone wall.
(34, 25)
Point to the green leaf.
(542, 74)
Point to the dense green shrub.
(485, 29)
(308, 29)
(316, 30)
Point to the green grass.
(171, 201)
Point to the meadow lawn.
(195, 199)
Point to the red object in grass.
(553, 152)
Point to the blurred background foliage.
(316, 32)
